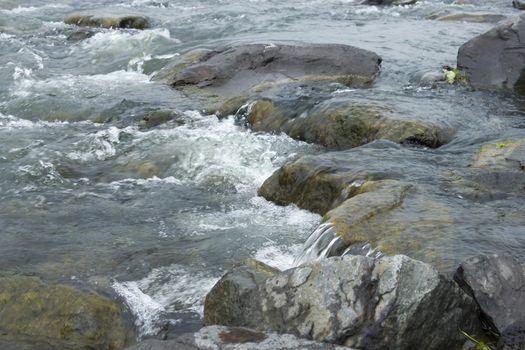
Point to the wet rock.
(494, 60)
(228, 72)
(520, 5)
(155, 118)
(234, 338)
(513, 338)
(225, 303)
(472, 17)
(390, 2)
(33, 313)
(79, 35)
(503, 155)
(133, 22)
(338, 125)
(497, 284)
(389, 303)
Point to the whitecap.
(173, 288)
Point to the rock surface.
(520, 5)
(338, 124)
(232, 70)
(133, 22)
(494, 60)
(497, 284)
(234, 338)
(390, 303)
(34, 315)
(504, 155)
(513, 338)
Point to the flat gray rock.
(233, 70)
(497, 284)
(494, 60)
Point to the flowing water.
(89, 196)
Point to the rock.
(472, 17)
(513, 338)
(494, 60)
(497, 285)
(225, 301)
(234, 338)
(155, 118)
(338, 125)
(503, 155)
(228, 72)
(79, 35)
(133, 22)
(389, 303)
(520, 5)
(390, 2)
(61, 317)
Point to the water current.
(89, 196)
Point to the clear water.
(74, 201)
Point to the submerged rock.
(497, 284)
(503, 155)
(389, 303)
(235, 338)
(79, 35)
(156, 118)
(338, 125)
(133, 22)
(472, 17)
(494, 60)
(228, 72)
(58, 316)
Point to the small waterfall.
(324, 242)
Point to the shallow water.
(157, 215)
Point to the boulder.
(520, 5)
(494, 60)
(338, 124)
(35, 315)
(235, 338)
(225, 302)
(155, 118)
(502, 155)
(387, 303)
(230, 71)
(497, 284)
(133, 22)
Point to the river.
(90, 196)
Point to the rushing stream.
(90, 196)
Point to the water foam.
(173, 288)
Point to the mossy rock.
(339, 125)
(502, 155)
(156, 118)
(134, 22)
(60, 316)
(223, 304)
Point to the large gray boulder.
(133, 22)
(497, 284)
(230, 71)
(235, 338)
(390, 303)
(494, 60)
